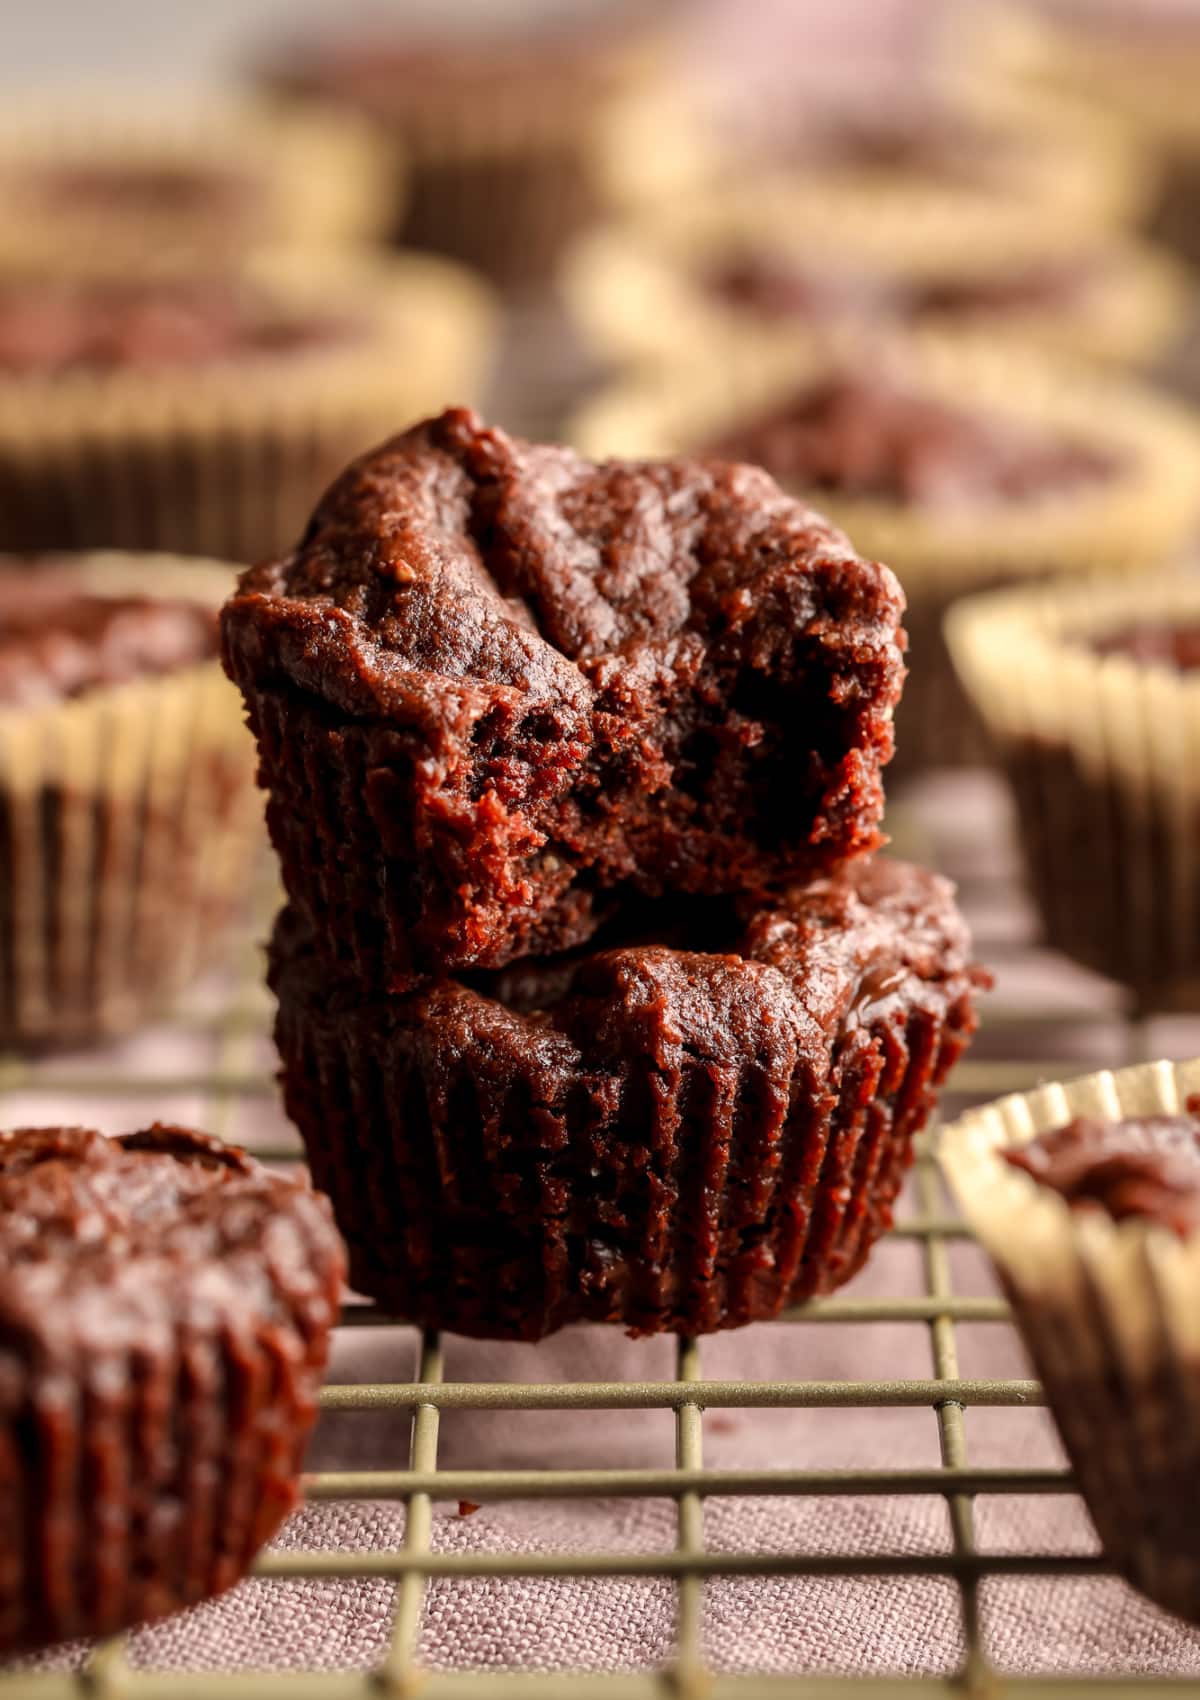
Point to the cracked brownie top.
(456, 552)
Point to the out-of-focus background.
(929, 262)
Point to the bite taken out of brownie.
(684, 1127)
(499, 688)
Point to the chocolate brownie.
(58, 640)
(127, 824)
(664, 1137)
(1175, 646)
(165, 1310)
(778, 285)
(868, 437)
(1144, 1166)
(98, 325)
(145, 189)
(495, 128)
(498, 688)
(1108, 1324)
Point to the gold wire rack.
(240, 1076)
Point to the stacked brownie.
(594, 1002)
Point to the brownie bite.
(63, 635)
(1087, 1196)
(646, 1132)
(98, 325)
(709, 277)
(165, 1311)
(201, 404)
(89, 175)
(863, 435)
(494, 129)
(130, 827)
(1092, 698)
(1145, 1168)
(499, 688)
(782, 288)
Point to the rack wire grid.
(227, 1099)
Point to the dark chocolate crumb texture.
(498, 688)
(59, 638)
(664, 1137)
(165, 1308)
(1146, 1167)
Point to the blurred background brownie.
(203, 410)
(166, 1306)
(667, 1138)
(960, 463)
(123, 175)
(499, 687)
(1141, 1168)
(775, 262)
(1087, 1196)
(1092, 696)
(496, 130)
(1138, 60)
(129, 823)
(966, 138)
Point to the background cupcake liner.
(228, 459)
(1104, 757)
(1146, 72)
(633, 290)
(310, 180)
(130, 828)
(1109, 1313)
(469, 1202)
(1134, 522)
(1142, 67)
(499, 173)
(1075, 167)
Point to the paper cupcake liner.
(152, 1442)
(305, 180)
(228, 459)
(475, 1199)
(1104, 757)
(633, 287)
(1109, 1314)
(1144, 70)
(129, 831)
(1133, 522)
(656, 144)
(502, 175)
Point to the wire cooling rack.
(230, 1094)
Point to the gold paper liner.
(227, 459)
(313, 179)
(1103, 753)
(633, 288)
(129, 829)
(1148, 75)
(503, 173)
(1128, 523)
(1110, 1316)
(1067, 160)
